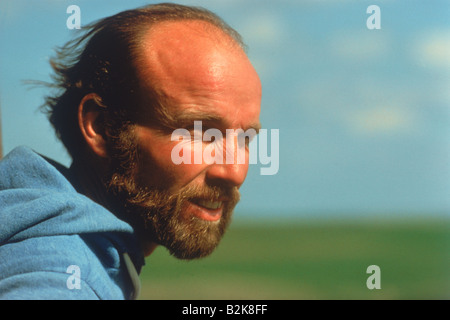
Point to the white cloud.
(363, 45)
(264, 32)
(432, 49)
(366, 109)
(384, 119)
(263, 29)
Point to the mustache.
(210, 193)
(145, 197)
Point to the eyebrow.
(187, 118)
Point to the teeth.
(210, 204)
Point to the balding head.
(102, 61)
(185, 48)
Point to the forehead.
(189, 52)
(194, 66)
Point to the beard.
(158, 215)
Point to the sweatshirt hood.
(37, 200)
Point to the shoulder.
(50, 232)
(61, 267)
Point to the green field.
(311, 260)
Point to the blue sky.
(363, 115)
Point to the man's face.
(197, 76)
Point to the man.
(124, 87)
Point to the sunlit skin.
(200, 74)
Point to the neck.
(88, 181)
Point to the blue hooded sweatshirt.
(55, 243)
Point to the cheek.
(156, 168)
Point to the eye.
(245, 138)
(212, 135)
(196, 132)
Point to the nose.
(233, 168)
(232, 175)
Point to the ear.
(90, 115)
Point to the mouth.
(206, 209)
(210, 205)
